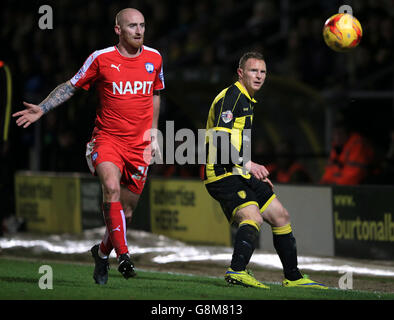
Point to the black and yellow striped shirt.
(230, 114)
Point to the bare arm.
(33, 112)
(60, 94)
(156, 109)
(155, 121)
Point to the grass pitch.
(19, 280)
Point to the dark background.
(308, 86)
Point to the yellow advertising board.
(49, 203)
(183, 210)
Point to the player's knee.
(258, 219)
(255, 221)
(128, 212)
(282, 217)
(285, 215)
(249, 214)
(111, 191)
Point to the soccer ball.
(342, 32)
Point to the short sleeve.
(159, 80)
(87, 74)
(226, 109)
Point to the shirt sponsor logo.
(128, 87)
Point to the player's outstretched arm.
(33, 112)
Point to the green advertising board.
(363, 222)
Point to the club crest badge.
(227, 116)
(241, 194)
(161, 76)
(149, 67)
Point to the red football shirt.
(125, 87)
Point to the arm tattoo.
(59, 95)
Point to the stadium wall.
(363, 221)
(57, 203)
(182, 209)
(310, 209)
(343, 221)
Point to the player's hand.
(269, 182)
(155, 147)
(31, 114)
(257, 170)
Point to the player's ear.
(117, 29)
(240, 73)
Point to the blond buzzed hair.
(119, 15)
(249, 55)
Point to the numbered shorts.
(235, 192)
(131, 164)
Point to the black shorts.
(235, 192)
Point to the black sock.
(285, 246)
(245, 243)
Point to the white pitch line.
(165, 250)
